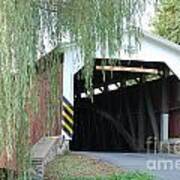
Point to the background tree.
(167, 20)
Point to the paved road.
(139, 161)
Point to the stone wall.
(45, 151)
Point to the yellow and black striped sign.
(68, 120)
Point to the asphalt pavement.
(162, 166)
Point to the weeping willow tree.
(23, 24)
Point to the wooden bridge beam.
(128, 69)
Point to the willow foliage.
(18, 43)
(96, 23)
(89, 23)
(167, 20)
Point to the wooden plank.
(141, 116)
(127, 69)
(119, 127)
(151, 113)
(128, 111)
(164, 103)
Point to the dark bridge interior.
(125, 110)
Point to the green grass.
(123, 176)
(78, 167)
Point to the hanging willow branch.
(89, 23)
(93, 24)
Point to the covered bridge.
(139, 100)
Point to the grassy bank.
(78, 167)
